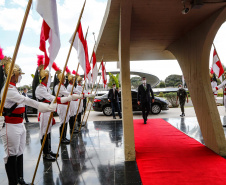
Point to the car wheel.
(107, 110)
(155, 109)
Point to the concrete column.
(124, 58)
(192, 52)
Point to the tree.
(113, 80)
(135, 82)
(172, 98)
(161, 84)
(172, 80)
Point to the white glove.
(214, 89)
(52, 106)
(2, 121)
(86, 95)
(76, 96)
(91, 95)
(45, 107)
(66, 99)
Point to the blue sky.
(11, 15)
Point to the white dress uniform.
(14, 133)
(213, 85)
(43, 94)
(78, 90)
(62, 108)
(223, 86)
(73, 105)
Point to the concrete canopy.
(155, 25)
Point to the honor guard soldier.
(73, 105)
(213, 80)
(13, 132)
(62, 108)
(43, 94)
(78, 90)
(223, 86)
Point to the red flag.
(217, 67)
(104, 75)
(80, 45)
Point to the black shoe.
(145, 122)
(114, 117)
(53, 154)
(182, 115)
(27, 121)
(66, 139)
(75, 131)
(120, 117)
(48, 157)
(63, 141)
(22, 182)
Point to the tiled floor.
(96, 156)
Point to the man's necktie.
(145, 87)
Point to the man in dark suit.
(25, 113)
(143, 98)
(113, 98)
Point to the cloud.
(22, 3)
(2, 2)
(68, 14)
(11, 20)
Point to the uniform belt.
(44, 101)
(14, 115)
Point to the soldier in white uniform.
(223, 86)
(73, 105)
(43, 94)
(12, 130)
(213, 84)
(62, 108)
(78, 90)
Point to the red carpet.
(166, 156)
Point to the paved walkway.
(171, 113)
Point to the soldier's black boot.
(63, 141)
(11, 170)
(49, 146)
(20, 170)
(79, 119)
(71, 123)
(65, 132)
(46, 154)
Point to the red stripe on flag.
(43, 37)
(84, 43)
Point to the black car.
(101, 104)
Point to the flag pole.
(79, 99)
(94, 93)
(15, 55)
(98, 70)
(91, 93)
(69, 103)
(61, 81)
(78, 110)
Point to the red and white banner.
(95, 70)
(217, 67)
(50, 30)
(80, 45)
(104, 75)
